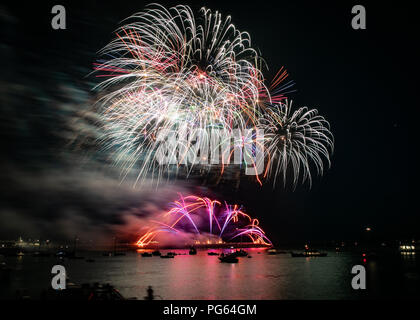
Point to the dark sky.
(363, 81)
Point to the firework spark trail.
(188, 213)
(297, 139)
(169, 72)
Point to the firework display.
(203, 218)
(295, 139)
(197, 80)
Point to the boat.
(156, 253)
(170, 253)
(167, 256)
(309, 253)
(240, 253)
(229, 258)
(69, 255)
(146, 254)
(271, 252)
(212, 253)
(90, 260)
(192, 251)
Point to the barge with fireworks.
(224, 245)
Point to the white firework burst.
(295, 140)
(171, 71)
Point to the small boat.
(156, 253)
(212, 253)
(167, 256)
(240, 253)
(271, 252)
(192, 251)
(230, 258)
(107, 254)
(90, 260)
(146, 254)
(309, 253)
(170, 253)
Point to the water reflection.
(203, 277)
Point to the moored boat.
(309, 253)
(271, 252)
(146, 254)
(230, 258)
(240, 253)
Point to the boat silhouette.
(229, 258)
(146, 254)
(308, 253)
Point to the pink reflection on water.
(204, 277)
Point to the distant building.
(407, 248)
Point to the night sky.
(364, 82)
